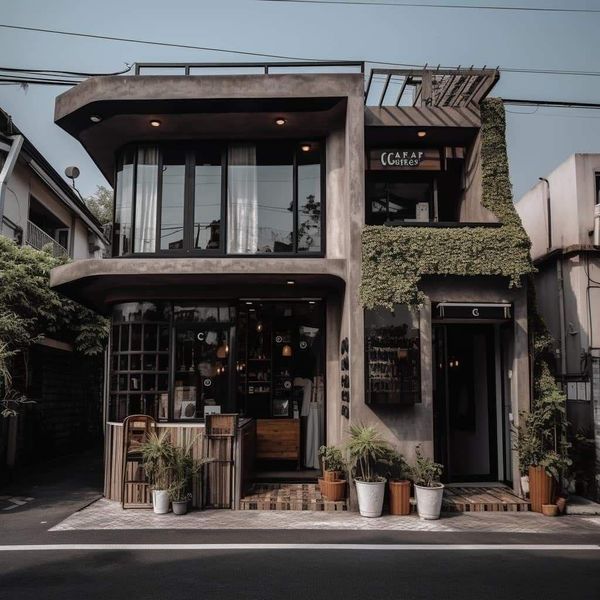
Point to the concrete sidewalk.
(108, 515)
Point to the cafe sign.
(404, 159)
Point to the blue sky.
(539, 139)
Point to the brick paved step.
(289, 496)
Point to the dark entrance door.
(465, 402)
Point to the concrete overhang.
(400, 124)
(99, 283)
(201, 107)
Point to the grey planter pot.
(180, 508)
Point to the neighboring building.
(240, 205)
(38, 208)
(562, 217)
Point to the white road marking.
(16, 501)
(358, 547)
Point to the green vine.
(396, 258)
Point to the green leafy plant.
(367, 450)
(157, 456)
(11, 401)
(396, 467)
(332, 458)
(425, 471)
(395, 259)
(183, 468)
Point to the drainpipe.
(561, 315)
(7, 169)
(548, 212)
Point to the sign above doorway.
(482, 311)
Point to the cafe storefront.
(234, 286)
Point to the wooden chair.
(135, 487)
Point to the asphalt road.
(303, 574)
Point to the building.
(562, 217)
(39, 209)
(252, 207)
(37, 206)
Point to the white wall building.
(37, 206)
(558, 214)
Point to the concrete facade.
(348, 129)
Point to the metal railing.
(37, 238)
(249, 68)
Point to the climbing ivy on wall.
(396, 258)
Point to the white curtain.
(242, 214)
(146, 198)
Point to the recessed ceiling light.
(280, 121)
(95, 118)
(155, 123)
(305, 147)
(291, 282)
(421, 133)
(311, 302)
(249, 303)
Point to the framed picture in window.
(281, 407)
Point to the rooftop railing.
(433, 87)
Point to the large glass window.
(146, 199)
(207, 198)
(393, 360)
(309, 199)
(390, 202)
(273, 199)
(139, 379)
(123, 204)
(260, 199)
(171, 362)
(172, 199)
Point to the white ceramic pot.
(160, 501)
(429, 501)
(525, 485)
(370, 497)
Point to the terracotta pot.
(540, 488)
(333, 490)
(550, 510)
(332, 475)
(399, 497)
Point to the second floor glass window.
(240, 198)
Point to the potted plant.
(543, 449)
(333, 462)
(428, 489)
(157, 456)
(398, 484)
(367, 449)
(332, 486)
(184, 467)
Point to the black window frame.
(189, 250)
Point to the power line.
(551, 103)
(432, 5)
(281, 56)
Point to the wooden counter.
(221, 483)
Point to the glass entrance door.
(465, 402)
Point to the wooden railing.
(37, 238)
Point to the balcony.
(37, 238)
